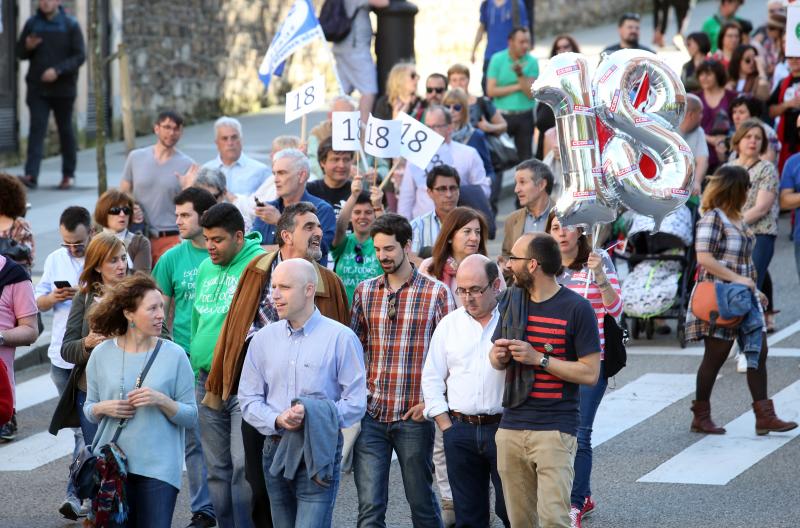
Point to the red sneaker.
(574, 517)
(588, 507)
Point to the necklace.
(122, 375)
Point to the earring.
(133, 325)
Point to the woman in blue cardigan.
(157, 413)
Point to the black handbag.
(83, 470)
(13, 250)
(616, 338)
(501, 147)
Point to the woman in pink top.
(592, 275)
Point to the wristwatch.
(544, 361)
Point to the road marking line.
(36, 450)
(637, 401)
(698, 352)
(718, 459)
(783, 334)
(35, 391)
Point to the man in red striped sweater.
(547, 341)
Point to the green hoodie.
(214, 291)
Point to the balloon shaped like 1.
(647, 165)
(564, 86)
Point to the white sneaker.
(741, 363)
(574, 517)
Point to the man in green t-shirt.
(511, 74)
(726, 13)
(354, 253)
(175, 273)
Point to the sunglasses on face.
(392, 303)
(127, 211)
(77, 246)
(456, 107)
(430, 89)
(359, 249)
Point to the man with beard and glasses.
(252, 308)
(547, 343)
(394, 316)
(155, 176)
(628, 28)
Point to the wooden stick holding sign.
(388, 177)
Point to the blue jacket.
(315, 444)
(737, 300)
(325, 215)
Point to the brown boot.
(766, 420)
(702, 422)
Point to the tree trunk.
(98, 77)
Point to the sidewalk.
(259, 131)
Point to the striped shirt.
(576, 281)
(395, 348)
(424, 231)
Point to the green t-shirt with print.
(349, 269)
(500, 69)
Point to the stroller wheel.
(650, 328)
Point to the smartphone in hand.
(62, 284)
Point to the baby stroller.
(660, 272)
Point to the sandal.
(66, 184)
(769, 318)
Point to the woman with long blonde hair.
(401, 93)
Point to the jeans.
(254, 473)
(151, 502)
(520, 127)
(40, 113)
(797, 257)
(221, 437)
(300, 502)
(471, 454)
(88, 428)
(372, 457)
(591, 395)
(60, 378)
(197, 474)
(762, 256)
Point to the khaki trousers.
(536, 468)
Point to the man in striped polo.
(548, 343)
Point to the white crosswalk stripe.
(718, 459)
(637, 401)
(36, 450)
(35, 391)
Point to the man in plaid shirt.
(394, 316)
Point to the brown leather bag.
(705, 307)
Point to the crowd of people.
(304, 318)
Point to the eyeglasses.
(512, 257)
(631, 16)
(127, 211)
(567, 47)
(440, 126)
(446, 189)
(431, 90)
(475, 291)
(76, 245)
(392, 303)
(359, 249)
(456, 107)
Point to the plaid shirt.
(395, 349)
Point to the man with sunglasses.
(463, 392)
(55, 290)
(299, 235)
(394, 315)
(628, 28)
(435, 87)
(547, 343)
(354, 253)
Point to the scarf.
(463, 134)
(110, 505)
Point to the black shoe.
(201, 520)
(28, 181)
(9, 431)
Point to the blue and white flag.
(298, 29)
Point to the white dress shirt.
(414, 200)
(59, 266)
(243, 176)
(457, 374)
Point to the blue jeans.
(197, 474)
(88, 428)
(300, 502)
(591, 395)
(471, 455)
(372, 457)
(762, 256)
(40, 108)
(151, 502)
(797, 257)
(221, 438)
(60, 378)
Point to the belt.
(476, 419)
(161, 234)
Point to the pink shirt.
(16, 302)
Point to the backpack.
(333, 19)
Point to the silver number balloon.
(564, 86)
(644, 129)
